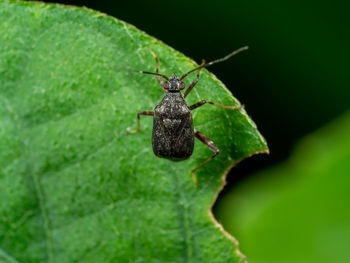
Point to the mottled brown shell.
(173, 135)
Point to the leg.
(194, 82)
(204, 139)
(149, 113)
(161, 83)
(202, 102)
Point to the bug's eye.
(182, 86)
(166, 85)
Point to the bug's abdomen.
(173, 136)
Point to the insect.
(173, 133)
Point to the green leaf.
(74, 186)
(298, 211)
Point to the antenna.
(150, 73)
(216, 61)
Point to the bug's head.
(174, 84)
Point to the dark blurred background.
(295, 76)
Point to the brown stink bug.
(173, 134)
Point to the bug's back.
(173, 135)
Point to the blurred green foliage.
(299, 210)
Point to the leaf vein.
(39, 192)
(8, 258)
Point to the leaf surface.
(74, 186)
